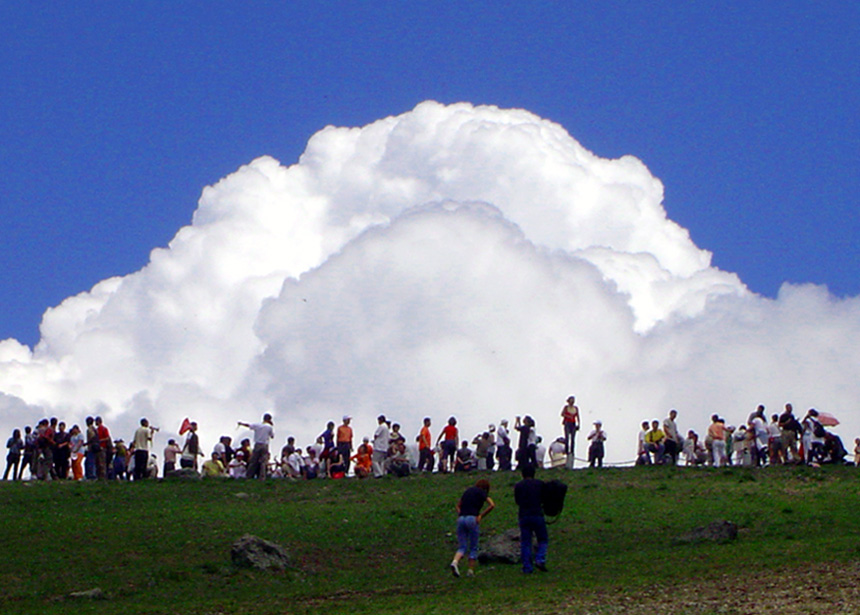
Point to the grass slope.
(382, 546)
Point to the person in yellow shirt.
(655, 442)
(213, 468)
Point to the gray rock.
(501, 548)
(184, 474)
(718, 531)
(254, 552)
(91, 594)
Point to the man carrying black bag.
(528, 494)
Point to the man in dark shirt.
(527, 494)
(790, 430)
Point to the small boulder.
(501, 548)
(253, 552)
(95, 593)
(718, 531)
(183, 474)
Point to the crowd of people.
(779, 439)
(50, 451)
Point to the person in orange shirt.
(425, 448)
(449, 438)
(343, 441)
(717, 434)
(363, 459)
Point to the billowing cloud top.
(453, 260)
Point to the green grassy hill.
(382, 546)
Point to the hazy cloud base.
(452, 260)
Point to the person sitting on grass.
(694, 450)
(238, 466)
(213, 468)
(398, 461)
(363, 459)
(292, 465)
(654, 442)
(643, 458)
(311, 467)
(336, 465)
(465, 460)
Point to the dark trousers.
(344, 449)
(671, 451)
(90, 465)
(570, 430)
(503, 453)
(533, 525)
(12, 462)
(527, 456)
(425, 460)
(595, 454)
(259, 461)
(141, 460)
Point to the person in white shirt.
(381, 439)
(557, 456)
(642, 456)
(293, 464)
(595, 450)
(540, 451)
(237, 465)
(263, 434)
(674, 443)
(760, 435)
(142, 443)
(776, 453)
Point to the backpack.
(552, 497)
(818, 429)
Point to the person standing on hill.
(191, 448)
(328, 442)
(717, 434)
(469, 517)
(570, 422)
(142, 442)
(15, 444)
(503, 447)
(104, 457)
(595, 450)
(381, 441)
(170, 452)
(674, 442)
(449, 438)
(263, 434)
(344, 441)
(527, 447)
(425, 448)
(790, 430)
(528, 497)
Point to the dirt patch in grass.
(815, 589)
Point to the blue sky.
(114, 116)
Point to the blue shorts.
(467, 536)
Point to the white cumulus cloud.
(453, 260)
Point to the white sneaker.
(455, 569)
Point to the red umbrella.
(827, 419)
